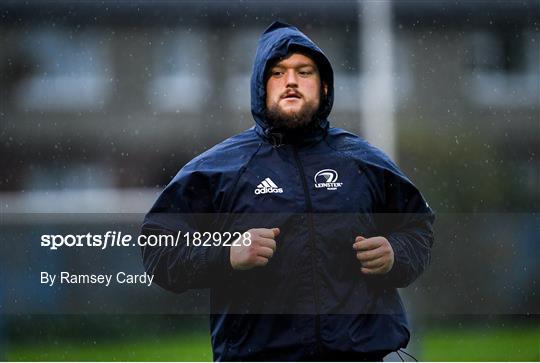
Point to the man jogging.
(327, 226)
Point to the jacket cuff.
(398, 275)
(218, 259)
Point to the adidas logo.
(267, 186)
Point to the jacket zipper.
(309, 206)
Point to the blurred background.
(103, 102)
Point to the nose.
(291, 78)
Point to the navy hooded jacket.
(322, 188)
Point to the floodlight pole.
(377, 95)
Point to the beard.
(303, 118)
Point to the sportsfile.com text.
(120, 239)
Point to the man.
(333, 226)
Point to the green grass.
(188, 347)
(439, 344)
(482, 345)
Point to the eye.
(276, 73)
(305, 73)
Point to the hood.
(275, 42)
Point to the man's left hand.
(375, 254)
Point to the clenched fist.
(262, 247)
(375, 254)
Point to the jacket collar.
(299, 137)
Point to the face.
(293, 91)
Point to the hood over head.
(276, 42)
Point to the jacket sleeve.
(185, 205)
(406, 220)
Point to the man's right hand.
(261, 249)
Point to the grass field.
(441, 344)
(478, 345)
(189, 347)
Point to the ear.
(325, 89)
